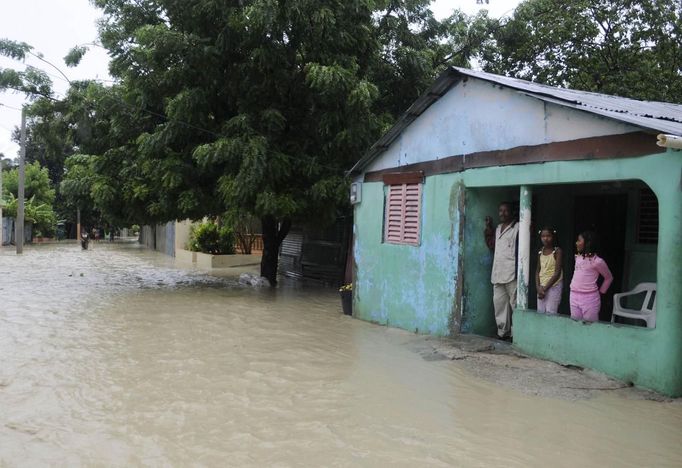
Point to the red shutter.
(403, 214)
(412, 212)
(394, 214)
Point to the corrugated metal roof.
(658, 116)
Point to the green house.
(570, 159)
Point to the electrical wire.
(9, 107)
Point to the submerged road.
(116, 356)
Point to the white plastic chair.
(648, 309)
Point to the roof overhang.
(648, 115)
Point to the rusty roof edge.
(447, 79)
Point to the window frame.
(404, 192)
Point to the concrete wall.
(415, 287)
(8, 231)
(405, 286)
(182, 229)
(208, 261)
(160, 237)
(477, 116)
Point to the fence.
(256, 245)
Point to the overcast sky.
(53, 27)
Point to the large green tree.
(622, 47)
(263, 104)
(257, 106)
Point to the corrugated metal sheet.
(316, 254)
(290, 254)
(658, 116)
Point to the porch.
(640, 229)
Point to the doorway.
(606, 215)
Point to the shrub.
(210, 238)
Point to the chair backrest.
(649, 305)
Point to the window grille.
(647, 217)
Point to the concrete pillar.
(523, 271)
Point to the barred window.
(647, 217)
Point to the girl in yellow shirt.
(548, 274)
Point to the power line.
(9, 107)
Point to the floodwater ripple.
(116, 356)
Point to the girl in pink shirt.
(585, 296)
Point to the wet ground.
(118, 357)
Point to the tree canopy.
(263, 105)
(623, 47)
(259, 106)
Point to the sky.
(53, 27)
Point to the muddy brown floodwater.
(117, 357)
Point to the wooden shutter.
(403, 212)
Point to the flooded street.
(117, 357)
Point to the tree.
(39, 195)
(49, 135)
(262, 105)
(31, 81)
(77, 185)
(40, 214)
(38, 183)
(621, 47)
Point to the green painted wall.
(405, 286)
(478, 316)
(414, 287)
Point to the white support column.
(523, 271)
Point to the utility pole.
(78, 224)
(1, 200)
(19, 227)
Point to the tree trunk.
(273, 235)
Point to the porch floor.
(499, 362)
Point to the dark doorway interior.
(607, 216)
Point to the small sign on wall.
(355, 193)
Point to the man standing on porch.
(503, 241)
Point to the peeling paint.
(416, 288)
(523, 271)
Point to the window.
(403, 208)
(647, 217)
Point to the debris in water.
(253, 280)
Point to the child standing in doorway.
(548, 274)
(585, 294)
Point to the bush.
(210, 238)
